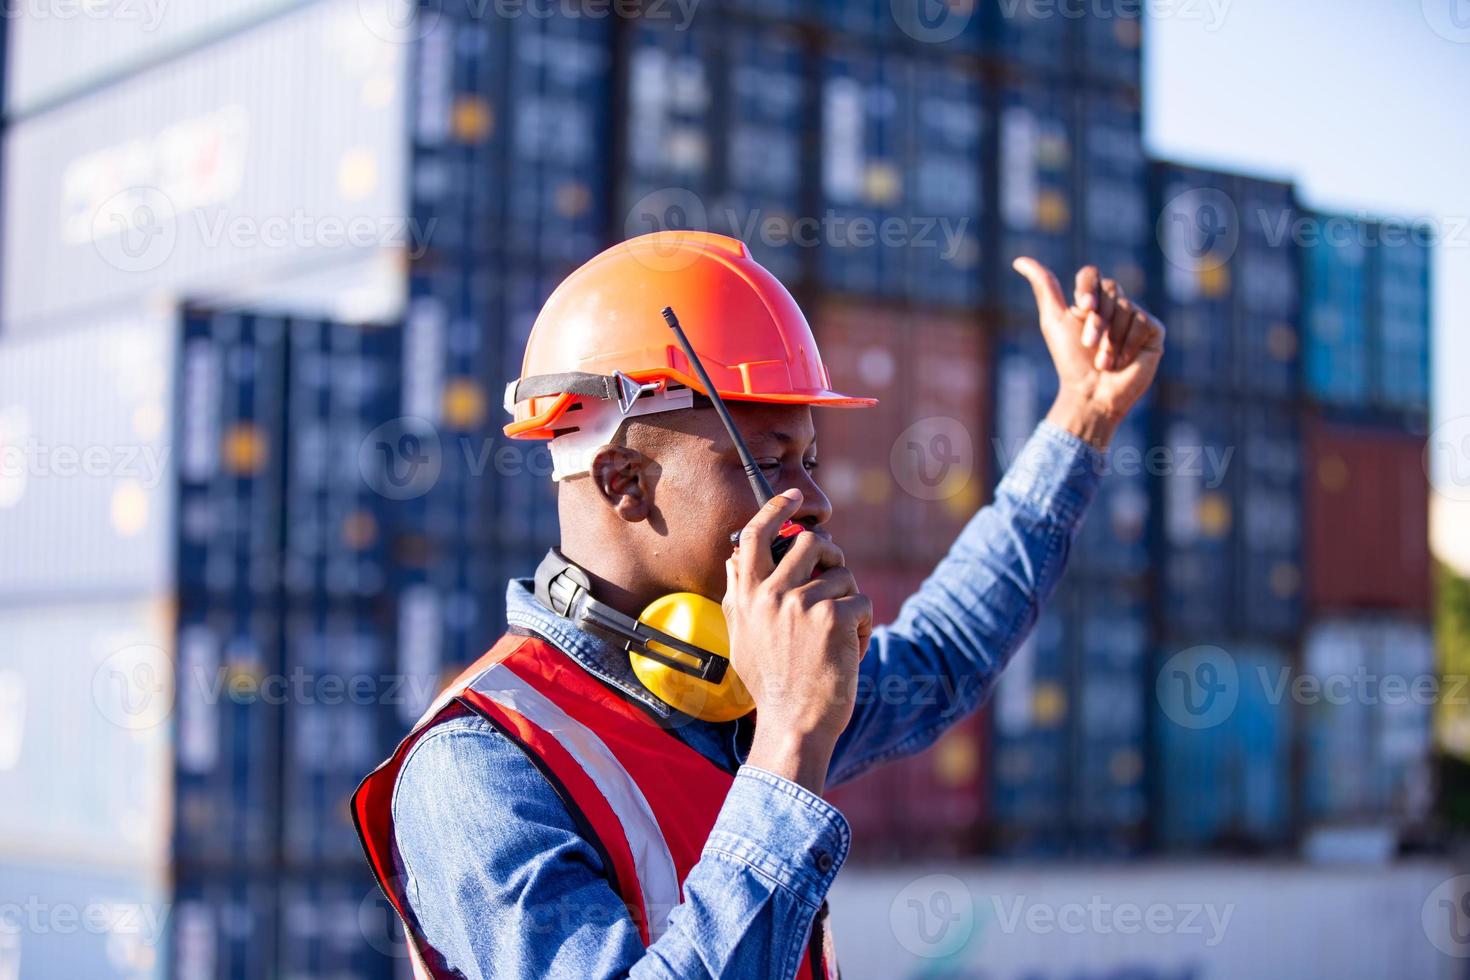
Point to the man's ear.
(624, 479)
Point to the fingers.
(753, 557)
(856, 612)
(1117, 316)
(810, 553)
(1145, 334)
(831, 583)
(1107, 300)
(1044, 286)
(1086, 287)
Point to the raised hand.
(1105, 347)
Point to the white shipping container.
(58, 49)
(86, 694)
(277, 152)
(86, 472)
(1368, 723)
(1201, 922)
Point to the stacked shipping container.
(1069, 749)
(340, 508)
(1229, 528)
(1229, 559)
(1255, 544)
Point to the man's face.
(699, 493)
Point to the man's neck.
(606, 572)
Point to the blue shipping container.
(946, 169)
(948, 24)
(231, 412)
(871, 20)
(1336, 311)
(767, 117)
(336, 924)
(1402, 308)
(457, 182)
(1111, 719)
(1038, 200)
(1032, 748)
(435, 462)
(450, 610)
(671, 103)
(341, 690)
(1269, 530)
(1070, 735)
(223, 927)
(524, 494)
(227, 754)
(864, 134)
(1112, 42)
(1114, 227)
(1034, 36)
(343, 383)
(1198, 228)
(1194, 494)
(1223, 738)
(1267, 290)
(557, 103)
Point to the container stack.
(267, 272)
(1072, 189)
(1367, 657)
(1228, 495)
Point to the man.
(552, 816)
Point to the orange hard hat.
(601, 336)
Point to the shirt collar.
(600, 657)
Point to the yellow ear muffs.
(699, 621)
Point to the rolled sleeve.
(782, 831)
(1055, 475)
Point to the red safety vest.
(641, 796)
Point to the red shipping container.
(863, 351)
(940, 456)
(929, 805)
(906, 476)
(1367, 519)
(868, 804)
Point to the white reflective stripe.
(651, 858)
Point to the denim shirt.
(501, 882)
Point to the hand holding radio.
(798, 630)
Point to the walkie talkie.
(786, 536)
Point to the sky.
(1366, 105)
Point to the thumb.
(1049, 300)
